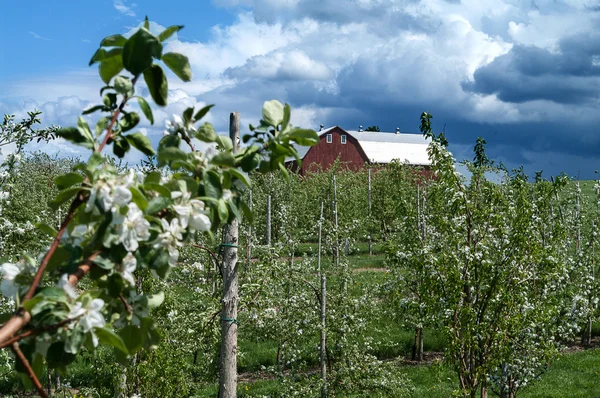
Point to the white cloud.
(340, 61)
(280, 65)
(36, 36)
(124, 9)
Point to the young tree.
(117, 225)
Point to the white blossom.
(111, 192)
(90, 317)
(9, 272)
(132, 227)
(63, 283)
(129, 266)
(170, 239)
(190, 212)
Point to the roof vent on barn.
(397, 130)
(360, 128)
(321, 127)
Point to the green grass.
(573, 375)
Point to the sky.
(525, 75)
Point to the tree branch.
(22, 317)
(35, 332)
(19, 354)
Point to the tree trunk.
(229, 310)
(323, 337)
(415, 345)
(420, 348)
(49, 382)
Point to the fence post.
(269, 220)
(229, 325)
(369, 224)
(323, 337)
(249, 238)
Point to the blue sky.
(524, 75)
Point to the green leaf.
(138, 198)
(160, 189)
(249, 162)
(146, 109)
(243, 177)
(224, 143)
(153, 177)
(155, 300)
(179, 64)
(165, 34)
(223, 159)
(212, 184)
(121, 147)
(101, 125)
(108, 337)
(93, 109)
(146, 23)
(304, 137)
(57, 357)
(206, 133)
(170, 153)
(139, 50)
(113, 41)
(76, 341)
(140, 142)
(110, 100)
(75, 136)
(187, 115)
(95, 160)
(157, 204)
(123, 85)
(287, 114)
(115, 284)
(222, 210)
(132, 337)
(109, 68)
(247, 212)
(64, 196)
(170, 141)
(129, 121)
(67, 180)
(101, 55)
(84, 128)
(32, 302)
(53, 293)
(284, 171)
(273, 112)
(60, 258)
(45, 228)
(104, 263)
(98, 56)
(202, 112)
(157, 84)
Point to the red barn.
(357, 148)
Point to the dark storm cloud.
(527, 73)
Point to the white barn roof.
(381, 147)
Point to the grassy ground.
(574, 374)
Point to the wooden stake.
(323, 337)
(229, 310)
(269, 220)
(249, 238)
(369, 205)
(319, 248)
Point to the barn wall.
(323, 155)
